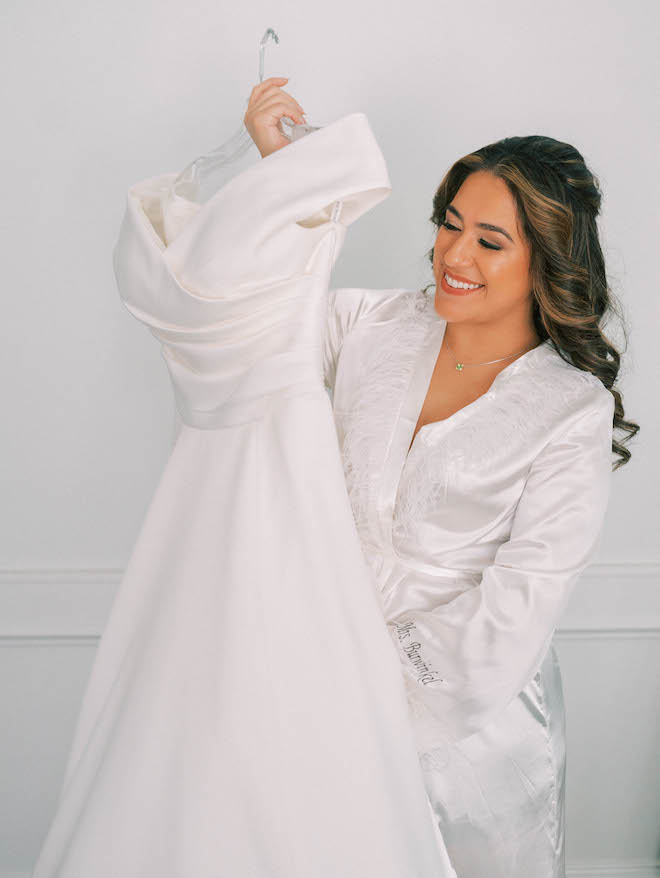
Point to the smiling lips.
(452, 283)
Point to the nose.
(458, 254)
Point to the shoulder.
(361, 301)
(578, 389)
(353, 305)
(571, 403)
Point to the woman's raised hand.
(268, 103)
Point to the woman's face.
(497, 260)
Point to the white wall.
(98, 96)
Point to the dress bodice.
(235, 289)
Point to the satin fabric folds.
(246, 714)
(477, 532)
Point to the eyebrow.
(488, 226)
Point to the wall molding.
(644, 633)
(69, 607)
(631, 869)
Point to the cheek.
(439, 248)
(505, 272)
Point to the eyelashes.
(483, 243)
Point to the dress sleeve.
(260, 228)
(464, 661)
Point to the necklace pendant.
(459, 367)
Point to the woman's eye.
(483, 243)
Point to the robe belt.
(243, 411)
(389, 568)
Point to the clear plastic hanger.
(198, 175)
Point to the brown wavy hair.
(558, 200)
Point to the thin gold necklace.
(461, 366)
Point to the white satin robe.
(476, 538)
(246, 716)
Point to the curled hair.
(558, 200)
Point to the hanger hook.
(262, 49)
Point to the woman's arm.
(464, 661)
(348, 306)
(345, 307)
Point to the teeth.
(459, 285)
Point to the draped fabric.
(246, 714)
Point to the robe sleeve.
(464, 661)
(346, 307)
(339, 321)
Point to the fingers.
(300, 109)
(272, 80)
(263, 95)
(268, 85)
(275, 105)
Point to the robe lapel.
(410, 406)
(421, 372)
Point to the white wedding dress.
(246, 715)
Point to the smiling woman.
(540, 269)
(476, 429)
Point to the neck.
(479, 343)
